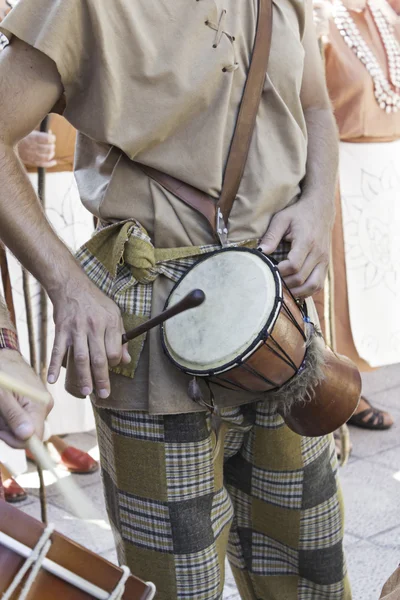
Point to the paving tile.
(32, 508)
(349, 541)
(389, 539)
(389, 458)
(94, 494)
(381, 379)
(388, 399)
(30, 500)
(110, 555)
(30, 481)
(369, 568)
(369, 443)
(230, 589)
(231, 593)
(371, 497)
(95, 535)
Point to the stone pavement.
(371, 486)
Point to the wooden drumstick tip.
(191, 300)
(196, 297)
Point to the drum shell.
(265, 362)
(334, 401)
(66, 553)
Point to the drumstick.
(81, 505)
(11, 384)
(191, 300)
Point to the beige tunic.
(150, 82)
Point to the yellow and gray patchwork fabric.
(181, 497)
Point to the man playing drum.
(158, 84)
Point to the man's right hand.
(90, 323)
(20, 417)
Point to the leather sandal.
(73, 460)
(77, 461)
(13, 492)
(370, 418)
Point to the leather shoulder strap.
(248, 109)
(196, 199)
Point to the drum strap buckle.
(221, 228)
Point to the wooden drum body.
(278, 357)
(66, 554)
(250, 334)
(333, 401)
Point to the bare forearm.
(322, 158)
(85, 318)
(25, 229)
(322, 151)
(31, 86)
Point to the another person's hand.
(38, 150)
(20, 417)
(307, 225)
(89, 323)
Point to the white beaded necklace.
(387, 93)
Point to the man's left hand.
(307, 226)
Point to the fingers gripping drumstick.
(191, 300)
(23, 389)
(80, 504)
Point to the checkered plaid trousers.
(181, 496)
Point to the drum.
(251, 334)
(248, 334)
(67, 570)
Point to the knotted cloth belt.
(122, 261)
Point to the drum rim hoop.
(249, 351)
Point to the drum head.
(243, 298)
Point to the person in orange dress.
(362, 59)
